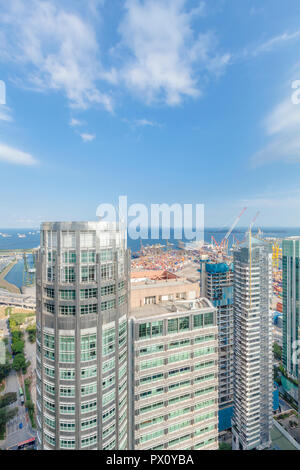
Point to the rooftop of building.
(295, 237)
(152, 275)
(254, 242)
(152, 278)
(99, 225)
(218, 268)
(190, 272)
(181, 307)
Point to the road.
(284, 405)
(14, 434)
(30, 351)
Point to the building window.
(49, 439)
(67, 391)
(108, 305)
(108, 414)
(144, 330)
(88, 347)
(67, 343)
(88, 273)
(50, 308)
(184, 324)
(88, 256)
(108, 342)
(67, 444)
(69, 257)
(68, 239)
(157, 328)
(173, 325)
(89, 423)
(153, 348)
(209, 319)
(67, 425)
(150, 300)
(87, 239)
(67, 294)
(106, 255)
(108, 397)
(108, 290)
(89, 372)
(49, 341)
(151, 436)
(67, 310)
(88, 294)
(69, 275)
(89, 406)
(86, 309)
(198, 321)
(67, 374)
(107, 271)
(49, 293)
(67, 409)
(89, 389)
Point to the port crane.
(223, 246)
(249, 229)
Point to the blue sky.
(161, 100)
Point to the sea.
(23, 239)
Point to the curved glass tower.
(82, 308)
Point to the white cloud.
(16, 157)
(282, 125)
(146, 122)
(284, 117)
(87, 137)
(75, 122)
(55, 46)
(275, 41)
(168, 60)
(269, 45)
(5, 114)
(57, 49)
(275, 199)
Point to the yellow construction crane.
(276, 254)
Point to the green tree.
(19, 363)
(31, 330)
(8, 399)
(4, 371)
(277, 350)
(5, 416)
(224, 446)
(17, 346)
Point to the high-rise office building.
(290, 301)
(173, 374)
(253, 354)
(82, 310)
(217, 286)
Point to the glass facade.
(290, 301)
(82, 309)
(175, 366)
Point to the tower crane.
(224, 242)
(250, 227)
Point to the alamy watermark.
(2, 93)
(184, 221)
